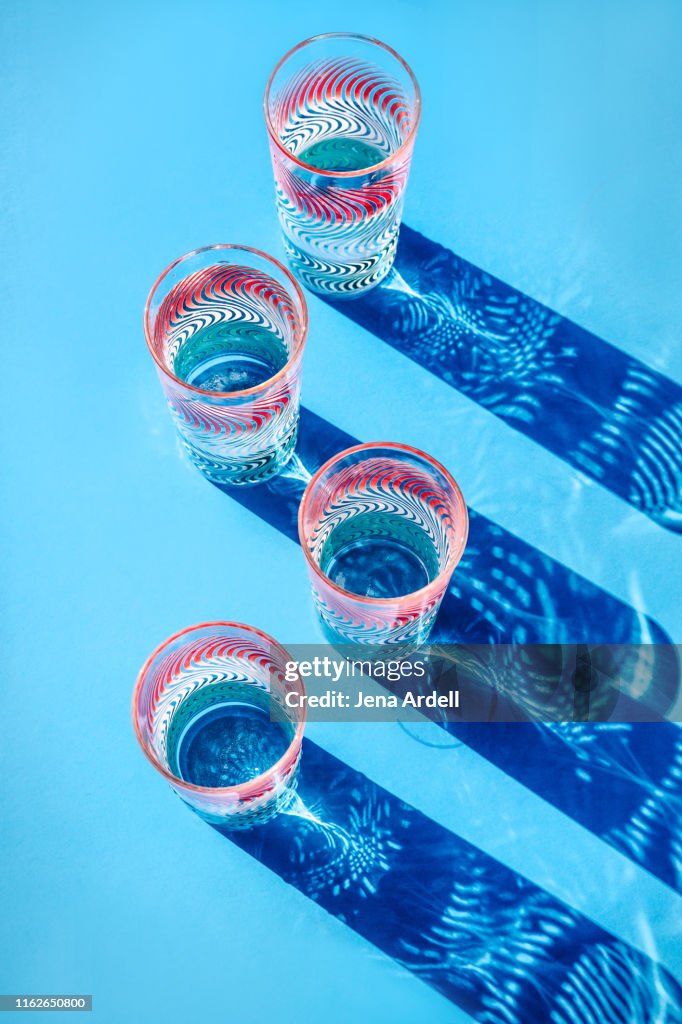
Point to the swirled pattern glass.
(210, 712)
(382, 527)
(342, 113)
(227, 326)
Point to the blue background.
(550, 154)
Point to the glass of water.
(382, 527)
(227, 326)
(212, 712)
(342, 113)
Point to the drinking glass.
(210, 712)
(382, 526)
(227, 326)
(342, 112)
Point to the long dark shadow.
(622, 782)
(489, 940)
(609, 415)
(504, 590)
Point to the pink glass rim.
(246, 788)
(432, 588)
(274, 135)
(259, 388)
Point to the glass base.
(342, 634)
(339, 280)
(244, 472)
(258, 815)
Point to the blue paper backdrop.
(550, 156)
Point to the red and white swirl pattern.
(233, 439)
(341, 232)
(206, 657)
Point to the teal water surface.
(341, 153)
(230, 356)
(226, 734)
(377, 554)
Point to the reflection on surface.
(609, 415)
(487, 938)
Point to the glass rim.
(429, 588)
(372, 168)
(243, 788)
(257, 388)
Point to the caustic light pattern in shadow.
(488, 939)
(607, 414)
(504, 590)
